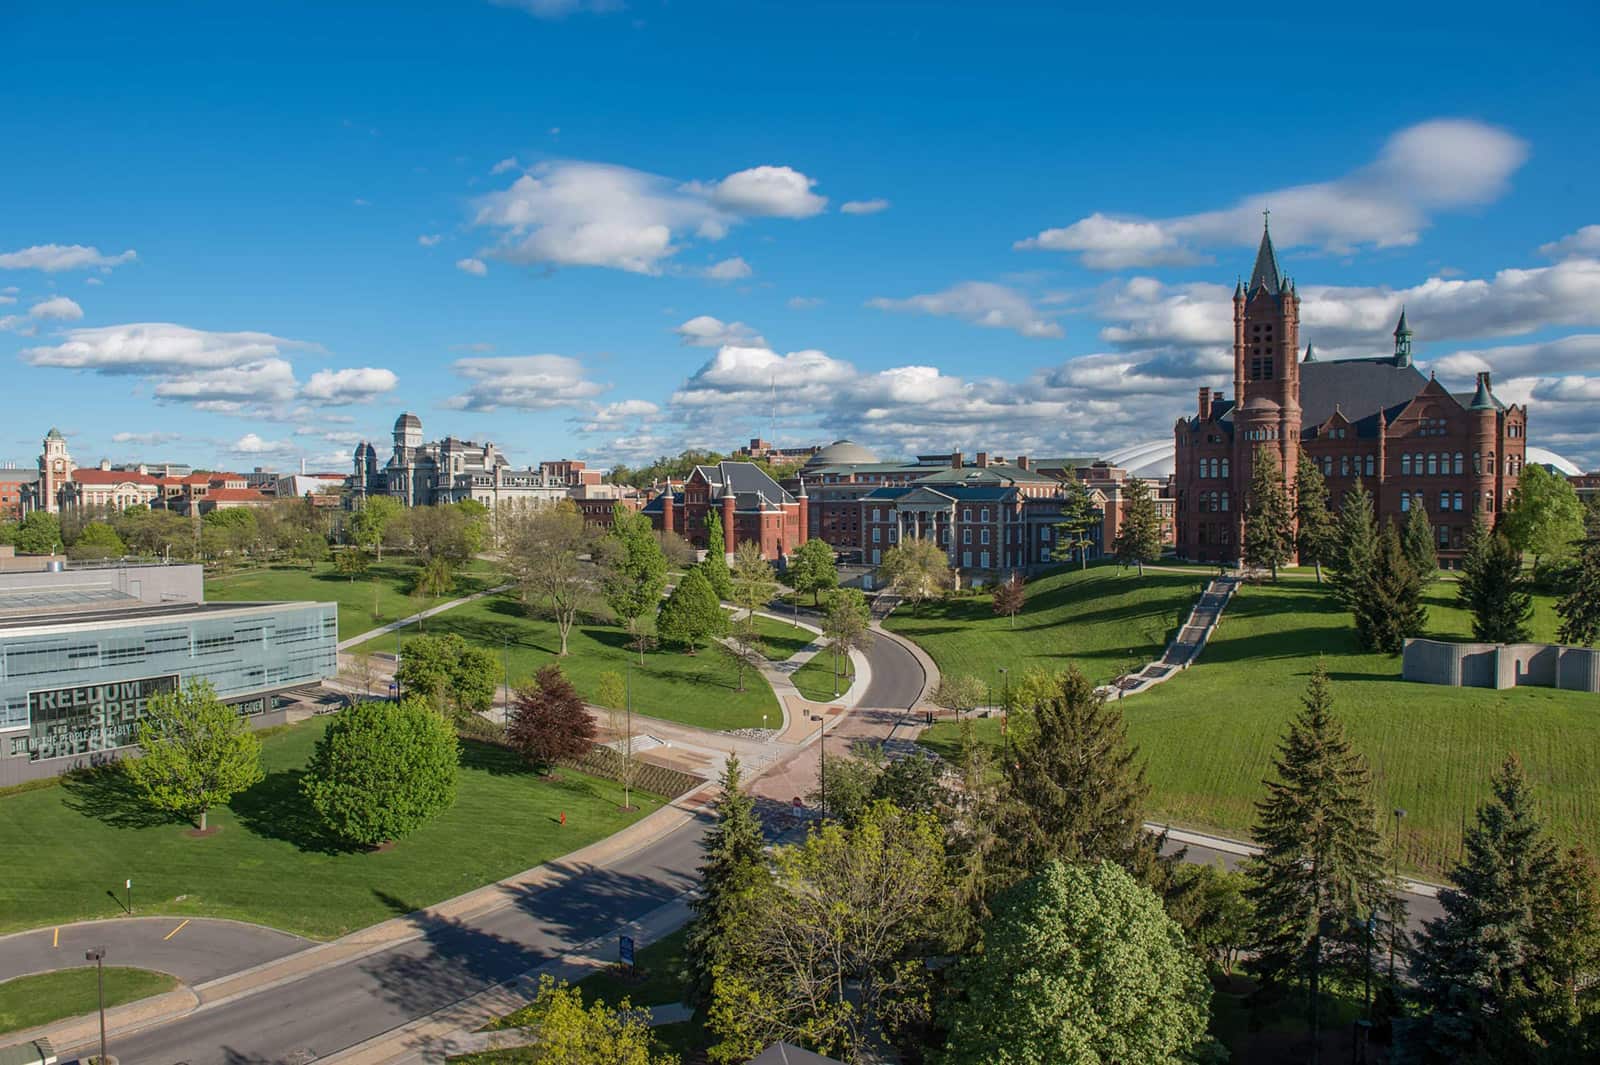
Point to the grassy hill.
(1208, 736)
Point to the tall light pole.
(98, 956)
(1399, 814)
(822, 772)
(1005, 714)
(627, 741)
(505, 662)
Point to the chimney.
(955, 460)
(983, 460)
(1205, 403)
(1022, 463)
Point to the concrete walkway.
(373, 634)
(1186, 646)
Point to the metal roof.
(1359, 388)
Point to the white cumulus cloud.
(53, 258)
(475, 267)
(864, 206)
(734, 269)
(704, 331)
(252, 444)
(353, 385)
(776, 191)
(522, 382)
(1586, 241)
(428, 240)
(982, 303)
(59, 308)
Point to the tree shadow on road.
(109, 795)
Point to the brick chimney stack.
(983, 460)
(1205, 403)
(1022, 463)
(955, 460)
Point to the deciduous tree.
(1544, 517)
(1268, 515)
(567, 1033)
(1010, 595)
(834, 955)
(369, 524)
(961, 692)
(546, 548)
(812, 569)
(635, 572)
(382, 769)
(549, 721)
(98, 540)
(1320, 875)
(847, 625)
(1079, 964)
(37, 534)
(691, 615)
(917, 570)
(1139, 539)
(352, 563)
(198, 752)
(451, 674)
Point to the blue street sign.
(393, 690)
(626, 950)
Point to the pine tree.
(1139, 539)
(1355, 547)
(1390, 605)
(733, 870)
(1494, 587)
(1078, 516)
(1313, 521)
(691, 614)
(1508, 971)
(1580, 607)
(715, 564)
(1417, 542)
(1320, 876)
(1075, 790)
(1268, 517)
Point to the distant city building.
(752, 506)
(18, 487)
(84, 649)
(1379, 421)
(771, 453)
(597, 502)
(451, 470)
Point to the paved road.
(194, 951)
(344, 1005)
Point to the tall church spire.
(1402, 341)
(1266, 272)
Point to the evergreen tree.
(1268, 517)
(715, 564)
(1354, 548)
(1314, 526)
(1319, 877)
(1580, 606)
(1494, 587)
(1074, 788)
(1078, 516)
(730, 877)
(1508, 972)
(1139, 539)
(1390, 605)
(1417, 542)
(691, 614)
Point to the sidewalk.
(373, 634)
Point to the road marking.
(174, 932)
(55, 938)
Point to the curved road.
(337, 1007)
(195, 950)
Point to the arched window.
(1405, 465)
(1224, 467)
(1444, 500)
(1224, 501)
(1459, 463)
(1433, 464)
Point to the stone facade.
(1411, 442)
(422, 473)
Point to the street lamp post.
(1005, 715)
(505, 664)
(1399, 814)
(627, 742)
(822, 772)
(98, 956)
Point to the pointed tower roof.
(1483, 399)
(1311, 355)
(1238, 289)
(1401, 328)
(1267, 272)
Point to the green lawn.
(815, 678)
(29, 1001)
(694, 689)
(64, 848)
(382, 596)
(1097, 619)
(783, 641)
(1209, 735)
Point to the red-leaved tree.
(1010, 596)
(549, 722)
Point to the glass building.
(74, 683)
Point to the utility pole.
(1399, 814)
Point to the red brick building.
(596, 502)
(1411, 442)
(753, 507)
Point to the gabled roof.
(750, 483)
(1360, 388)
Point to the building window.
(1444, 536)
(966, 513)
(1044, 532)
(966, 536)
(1371, 466)
(983, 536)
(1459, 501)
(1405, 465)
(966, 560)
(1459, 463)
(1224, 501)
(876, 516)
(1405, 502)
(1433, 464)
(1344, 465)
(877, 536)
(983, 515)
(1444, 500)
(983, 560)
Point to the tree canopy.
(198, 752)
(1579, 607)
(1544, 517)
(812, 569)
(382, 769)
(549, 722)
(635, 572)
(917, 570)
(1268, 515)
(1314, 525)
(450, 673)
(1493, 587)
(691, 615)
(1139, 538)
(1078, 516)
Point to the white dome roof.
(1153, 460)
(1546, 457)
(841, 452)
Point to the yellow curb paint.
(55, 938)
(174, 932)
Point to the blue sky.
(245, 235)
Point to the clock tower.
(55, 470)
